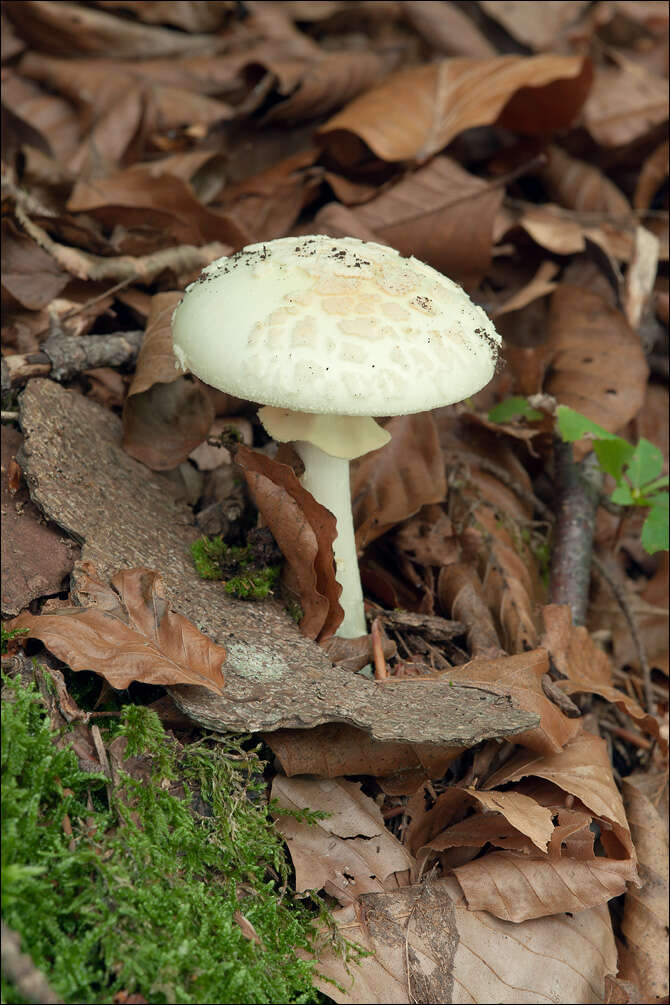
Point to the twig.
(19, 968)
(577, 487)
(184, 258)
(619, 592)
(381, 670)
(65, 356)
(626, 734)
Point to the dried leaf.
(626, 102)
(129, 633)
(521, 677)
(645, 918)
(518, 888)
(166, 415)
(339, 749)
(654, 172)
(393, 483)
(593, 346)
(442, 215)
(139, 197)
(304, 531)
(28, 273)
(447, 29)
(537, 27)
(461, 596)
(348, 853)
(578, 185)
(36, 556)
(426, 946)
(432, 104)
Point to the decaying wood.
(64, 356)
(276, 678)
(19, 968)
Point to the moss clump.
(245, 574)
(141, 896)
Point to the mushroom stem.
(327, 479)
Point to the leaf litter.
(520, 151)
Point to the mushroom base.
(327, 479)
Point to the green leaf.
(613, 455)
(646, 463)
(658, 483)
(622, 495)
(655, 529)
(513, 407)
(573, 425)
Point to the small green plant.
(144, 895)
(214, 559)
(513, 408)
(635, 469)
(7, 636)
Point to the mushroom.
(326, 333)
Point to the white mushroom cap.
(334, 325)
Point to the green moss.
(141, 896)
(294, 610)
(244, 576)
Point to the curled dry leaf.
(521, 678)
(29, 274)
(593, 345)
(354, 654)
(128, 633)
(577, 185)
(67, 27)
(393, 483)
(539, 27)
(587, 668)
(432, 104)
(645, 918)
(166, 415)
(447, 29)
(442, 215)
(461, 595)
(654, 172)
(305, 531)
(348, 853)
(583, 770)
(328, 83)
(517, 887)
(425, 945)
(140, 197)
(626, 102)
(338, 749)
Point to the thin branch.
(65, 356)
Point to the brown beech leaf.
(645, 917)
(140, 197)
(582, 769)
(461, 595)
(521, 677)
(425, 945)
(517, 887)
(442, 215)
(524, 814)
(593, 347)
(69, 28)
(348, 853)
(626, 102)
(189, 15)
(329, 83)
(447, 29)
(539, 286)
(304, 531)
(577, 185)
(129, 633)
(29, 273)
(654, 172)
(417, 112)
(337, 749)
(166, 415)
(537, 27)
(587, 668)
(393, 483)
